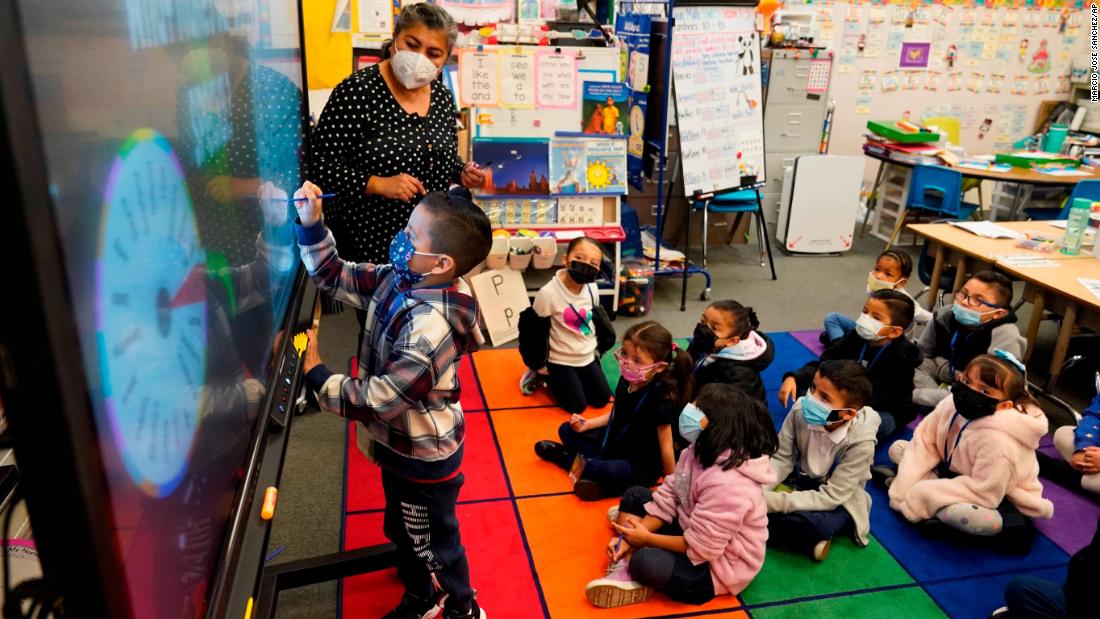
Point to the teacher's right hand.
(401, 187)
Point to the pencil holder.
(519, 252)
(498, 253)
(546, 249)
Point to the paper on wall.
(479, 78)
(375, 17)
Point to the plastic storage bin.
(546, 249)
(520, 250)
(498, 253)
(635, 287)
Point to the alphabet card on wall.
(580, 211)
(502, 296)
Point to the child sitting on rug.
(971, 465)
(558, 335)
(892, 270)
(980, 321)
(634, 444)
(879, 344)
(824, 457)
(1080, 447)
(728, 348)
(703, 532)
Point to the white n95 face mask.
(413, 70)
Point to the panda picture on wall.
(746, 53)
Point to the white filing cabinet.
(793, 118)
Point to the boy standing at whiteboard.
(421, 319)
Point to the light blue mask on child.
(966, 316)
(815, 411)
(690, 425)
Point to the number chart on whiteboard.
(716, 84)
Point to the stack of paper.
(1092, 284)
(987, 229)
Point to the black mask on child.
(704, 338)
(582, 272)
(971, 403)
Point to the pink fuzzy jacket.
(995, 459)
(723, 515)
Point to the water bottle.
(1075, 226)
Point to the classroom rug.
(532, 545)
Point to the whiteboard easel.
(719, 99)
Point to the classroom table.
(1048, 288)
(1056, 289)
(1019, 176)
(965, 246)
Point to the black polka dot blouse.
(365, 132)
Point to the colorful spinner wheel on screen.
(150, 312)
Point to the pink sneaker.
(616, 588)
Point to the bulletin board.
(539, 103)
(966, 62)
(719, 105)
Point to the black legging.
(575, 388)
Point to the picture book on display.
(605, 169)
(567, 166)
(604, 108)
(518, 167)
(586, 165)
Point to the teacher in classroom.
(388, 136)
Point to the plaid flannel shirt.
(406, 392)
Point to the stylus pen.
(324, 195)
(619, 543)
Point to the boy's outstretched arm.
(346, 281)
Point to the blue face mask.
(815, 411)
(966, 316)
(401, 251)
(691, 422)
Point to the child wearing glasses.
(634, 444)
(980, 321)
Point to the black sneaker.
(554, 453)
(412, 607)
(588, 490)
(475, 612)
(883, 475)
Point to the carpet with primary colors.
(532, 545)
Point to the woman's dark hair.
(736, 422)
(743, 318)
(431, 16)
(657, 342)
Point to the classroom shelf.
(604, 234)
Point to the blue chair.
(1083, 189)
(934, 191)
(740, 202)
